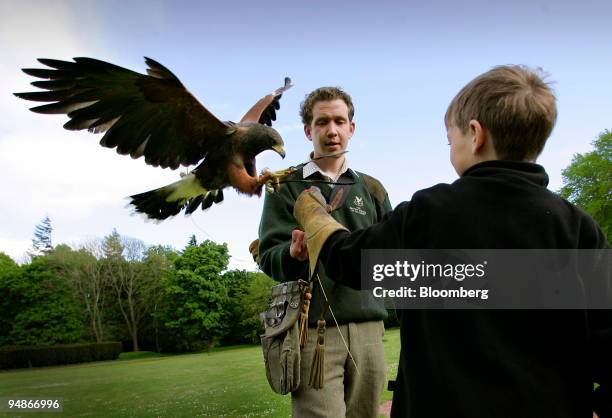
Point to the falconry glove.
(311, 213)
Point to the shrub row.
(35, 356)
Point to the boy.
(486, 363)
(359, 201)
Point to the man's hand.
(298, 249)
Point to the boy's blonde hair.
(324, 94)
(514, 104)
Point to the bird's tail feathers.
(205, 200)
(168, 201)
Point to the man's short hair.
(514, 104)
(324, 94)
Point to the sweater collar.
(535, 173)
(311, 167)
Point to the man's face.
(330, 129)
(460, 155)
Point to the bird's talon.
(273, 179)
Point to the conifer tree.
(41, 243)
(192, 241)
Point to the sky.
(401, 61)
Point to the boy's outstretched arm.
(340, 250)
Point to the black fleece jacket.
(491, 363)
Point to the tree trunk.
(134, 321)
(156, 329)
(135, 339)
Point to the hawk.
(155, 116)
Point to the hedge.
(13, 357)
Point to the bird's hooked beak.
(279, 149)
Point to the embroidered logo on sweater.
(357, 206)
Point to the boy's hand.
(311, 215)
(298, 249)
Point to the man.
(351, 386)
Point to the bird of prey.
(155, 116)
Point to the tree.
(43, 309)
(41, 243)
(587, 182)
(196, 298)
(9, 270)
(123, 266)
(192, 241)
(157, 264)
(112, 247)
(249, 295)
(84, 272)
(7, 264)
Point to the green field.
(225, 382)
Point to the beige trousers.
(345, 392)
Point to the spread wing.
(151, 115)
(264, 111)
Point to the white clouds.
(14, 247)
(45, 169)
(28, 25)
(30, 30)
(68, 171)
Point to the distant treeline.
(117, 289)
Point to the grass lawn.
(225, 382)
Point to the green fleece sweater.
(363, 207)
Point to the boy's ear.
(479, 135)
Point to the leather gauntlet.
(310, 211)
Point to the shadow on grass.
(139, 355)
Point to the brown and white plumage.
(154, 116)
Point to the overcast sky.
(402, 61)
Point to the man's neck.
(330, 165)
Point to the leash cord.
(337, 326)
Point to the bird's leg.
(242, 181)
(272, 179)
(265, 176)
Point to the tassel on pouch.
(304, 318)
(317, 371)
